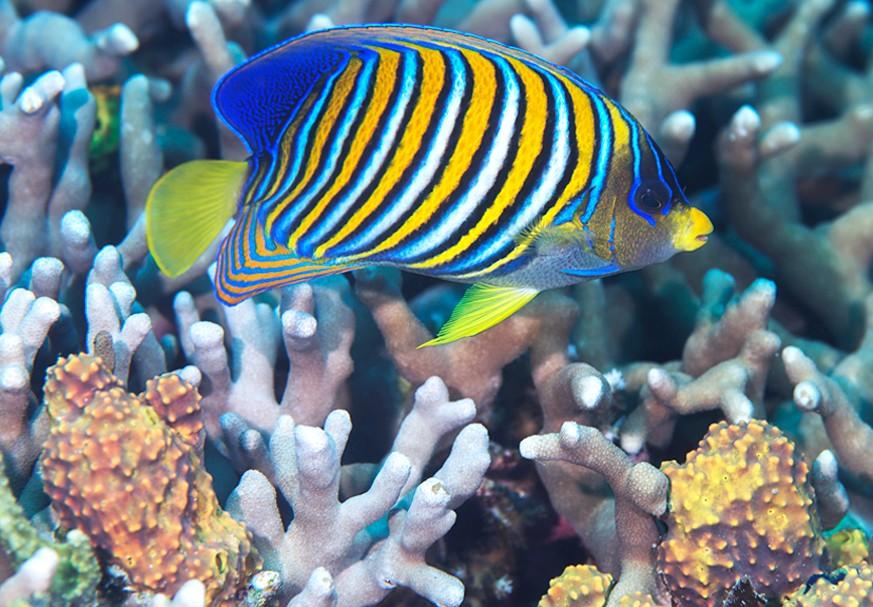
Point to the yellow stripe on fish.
(433, 81)
(429, 150)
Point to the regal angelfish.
(429, 150)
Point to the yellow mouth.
(695, 233)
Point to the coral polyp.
(850, 586)
(741, 506)
(135, 484)
(578, 586)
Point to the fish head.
(652, 218)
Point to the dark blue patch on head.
(257, 98)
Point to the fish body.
(430, 150)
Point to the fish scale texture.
(855, 589)
(131, 477)
(741, 505)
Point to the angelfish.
(430, 150)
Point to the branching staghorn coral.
(612, 31)
(547, 34)
(660, 94)
(823, 395)
(51, 40)
(332, 549)
(33, 577)
(724, 365)
(25, 320)
(824, 267)
(730, 349)
(218, 57)
(316, 327)
(140, 154)
(471, 367)
(115, 332)
(35, 129)
(640, 492)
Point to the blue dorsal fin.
(256, 99)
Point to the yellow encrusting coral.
(127, 470)
(847, 547)
(741, 505)
(849, 587)
(587, 586)
(178, 403)
(578, 586)
(637, 599)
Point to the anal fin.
(232, 288)
(481, 307)
(246, 266)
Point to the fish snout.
(694, 230)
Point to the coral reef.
(127, 471)
(585, 586)
(67, 570)
(850, 586)
(579, 585)
(847, 547)
(332, 542)
(741, 506)
(740, 510)
(305, 427)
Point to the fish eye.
(651, 197)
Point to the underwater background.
(695, 433)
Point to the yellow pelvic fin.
(187, 209)
(481, 307)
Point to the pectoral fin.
(481, 307)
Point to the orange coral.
(127, 470)
(851, 587)
(741, 505)
(578, 586)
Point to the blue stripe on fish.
(402, 203)
(376, 159)
(473, 190)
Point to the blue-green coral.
(78, 572)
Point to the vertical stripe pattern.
(435, 151)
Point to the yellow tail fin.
(187, 209)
